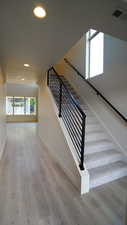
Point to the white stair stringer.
(103, 161)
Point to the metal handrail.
(96, 90)
(71, 96)
(73, 115)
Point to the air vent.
(120, 14)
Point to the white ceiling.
(41, 43)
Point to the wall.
(52, 136)
(112, 84)
(25, 90)
(2, 113)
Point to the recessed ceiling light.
(26, 65)
(22, 79)
(39, 11)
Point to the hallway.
(34, 190)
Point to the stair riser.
(107, 179)
(95, 137)
(103, 162)
(92, 128)
(90, 150)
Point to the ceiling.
(41, 43)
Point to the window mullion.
(13, 105)
(24, 105)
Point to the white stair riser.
(105, 161)
(92, 149)
(93, 128)
(96, 136)
(108, 178)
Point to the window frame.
(88, 39)
(25, 114)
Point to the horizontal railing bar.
(77, 136)
(80, 114)
(75, 121)
(95, 89)
(72, 130)
(74, 112)
(73, 141)
(75, 102)
(76, 125)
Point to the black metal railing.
(70, 111)
(97, 92)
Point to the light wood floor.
(35, 191)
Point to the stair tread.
(102, 158)
(98, 146)
(93, 132)
(98, 142)
(111, 171)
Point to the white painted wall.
(113, 84)
(25, 90)
(2, 113)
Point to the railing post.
(48, 74)
(81, 165)
(60, 100)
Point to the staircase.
(102, 158)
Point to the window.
(94, 53)
(21, 105)
(30, 103)
(18, 105)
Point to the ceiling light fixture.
(26, 65)
(22, 79)
(39, 11)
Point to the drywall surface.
(25, 90)
(2, 113)
(113, 84)
(53, 138)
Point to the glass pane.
(19, 105)
(30, 105)
(9, 105)
(96, 55)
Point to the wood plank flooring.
(34, 190)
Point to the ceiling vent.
(120, 14)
